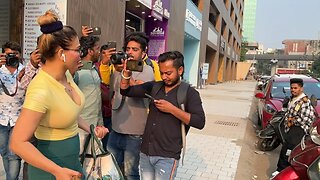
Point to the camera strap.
(6, 90)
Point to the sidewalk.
(213, 153)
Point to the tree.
(243, 51)
(315, 69)
(263, 67)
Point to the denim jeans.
(126, 149)
(157, 168)
(11, 162)
(108, 124)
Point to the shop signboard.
(32, 10)
(157, 32)
(157, 9)
(205, 71)
(147, 3)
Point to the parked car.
(262, 81)
(271, 97)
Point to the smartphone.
(149, 96)
(133, 65)
(112, 44)
(96, 31)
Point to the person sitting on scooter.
(298, 120)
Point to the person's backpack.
(149, 63)
(105, 93)
(182, 100)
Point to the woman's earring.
(64, 57)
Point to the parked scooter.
(304, 159)
(272, 136)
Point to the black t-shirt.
(162, 135)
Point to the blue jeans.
(108, 124)
(157, 168)
(11, 162)
(126, 149)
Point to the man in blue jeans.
(11, 100)
(162, 139)
(129, 115)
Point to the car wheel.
(268, 144)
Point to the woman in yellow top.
(52, 106)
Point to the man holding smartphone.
(152, 63)
(162, 139)
(129, 115)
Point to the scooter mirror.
(260, 95)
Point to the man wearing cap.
(298, 120)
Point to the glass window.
(310, 88)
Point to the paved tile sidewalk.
(213, 153)
(209, 157)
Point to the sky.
(277, 20)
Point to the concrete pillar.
(234, 70)
(221, 68)
(215, 67)
(213, 59)
(229, 71)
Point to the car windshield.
(309, 89)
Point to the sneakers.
(274, 174)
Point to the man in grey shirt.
(129, 115)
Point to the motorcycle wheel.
(266, 144)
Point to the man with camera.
(11, 100)
(129, 115)
(145, 58)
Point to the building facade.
(208, 32)
(249, 20)
(301, 47)
(221, 38)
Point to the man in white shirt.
(11, 100)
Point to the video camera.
(118, 57)
(12, 60)
(132, 65)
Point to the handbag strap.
(85, 149)
(93, 139)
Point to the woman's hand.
(65, 173)
(101, 131)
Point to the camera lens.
(118, 57)
(12, 60)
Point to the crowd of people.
(48, 103)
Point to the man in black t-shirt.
(162, 139)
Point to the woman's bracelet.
(122, 75)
